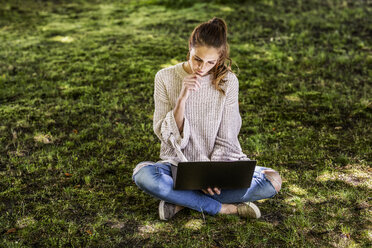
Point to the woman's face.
(203, 59)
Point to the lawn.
(76, 106)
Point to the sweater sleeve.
(227, 146)
(164, 122)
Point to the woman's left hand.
(211, 191)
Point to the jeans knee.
(143, 179)
(152, 182)
(275, 179)
(138, 180)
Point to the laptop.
(221, 174)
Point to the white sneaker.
(248, 209)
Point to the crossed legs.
(156, 180)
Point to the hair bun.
(218, 21)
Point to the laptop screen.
(221, 174)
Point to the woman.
(197, 118)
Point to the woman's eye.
(211, 63)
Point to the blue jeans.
(156, 180)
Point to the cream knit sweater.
(211, 121)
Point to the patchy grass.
(76, 105)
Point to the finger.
(190, 86)
(204, 191)
(198, 83)
(210, 191)
(190, 76)
(193, 86)
(195, 82)
(192, 82)
(217, 190)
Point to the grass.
(76, 105)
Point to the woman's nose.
(201, 66)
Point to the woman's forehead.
(206, 53)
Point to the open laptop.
(220, 174)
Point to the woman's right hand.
(211, 191)
(189, 83)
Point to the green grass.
(76, 105)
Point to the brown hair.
(213, 33)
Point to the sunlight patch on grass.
(325, 176)
(22, 42)
(107, 9)
(19, 153)
(366, 103)
(77, 91)
(24, 222)
(64, 86)
(23, 123)
(4, 109)
(63, 39)
(170, 63)
(43, 138)
(297, 190)
(146, 15)
(292, 98)
(368, 233)
(258, 56)
(226, 9)
(257, 82)
(357, 175)
(194, 224)
(295, 201)
(318, 198)
(147, 229)
(62, 26)
(354, 176)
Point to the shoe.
(248, 209)
(166, 210)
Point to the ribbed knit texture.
(211, 121)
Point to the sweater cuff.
(185, 133)
(183, 140)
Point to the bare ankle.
(228, 209)
(178, 208)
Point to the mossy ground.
(76, 105)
